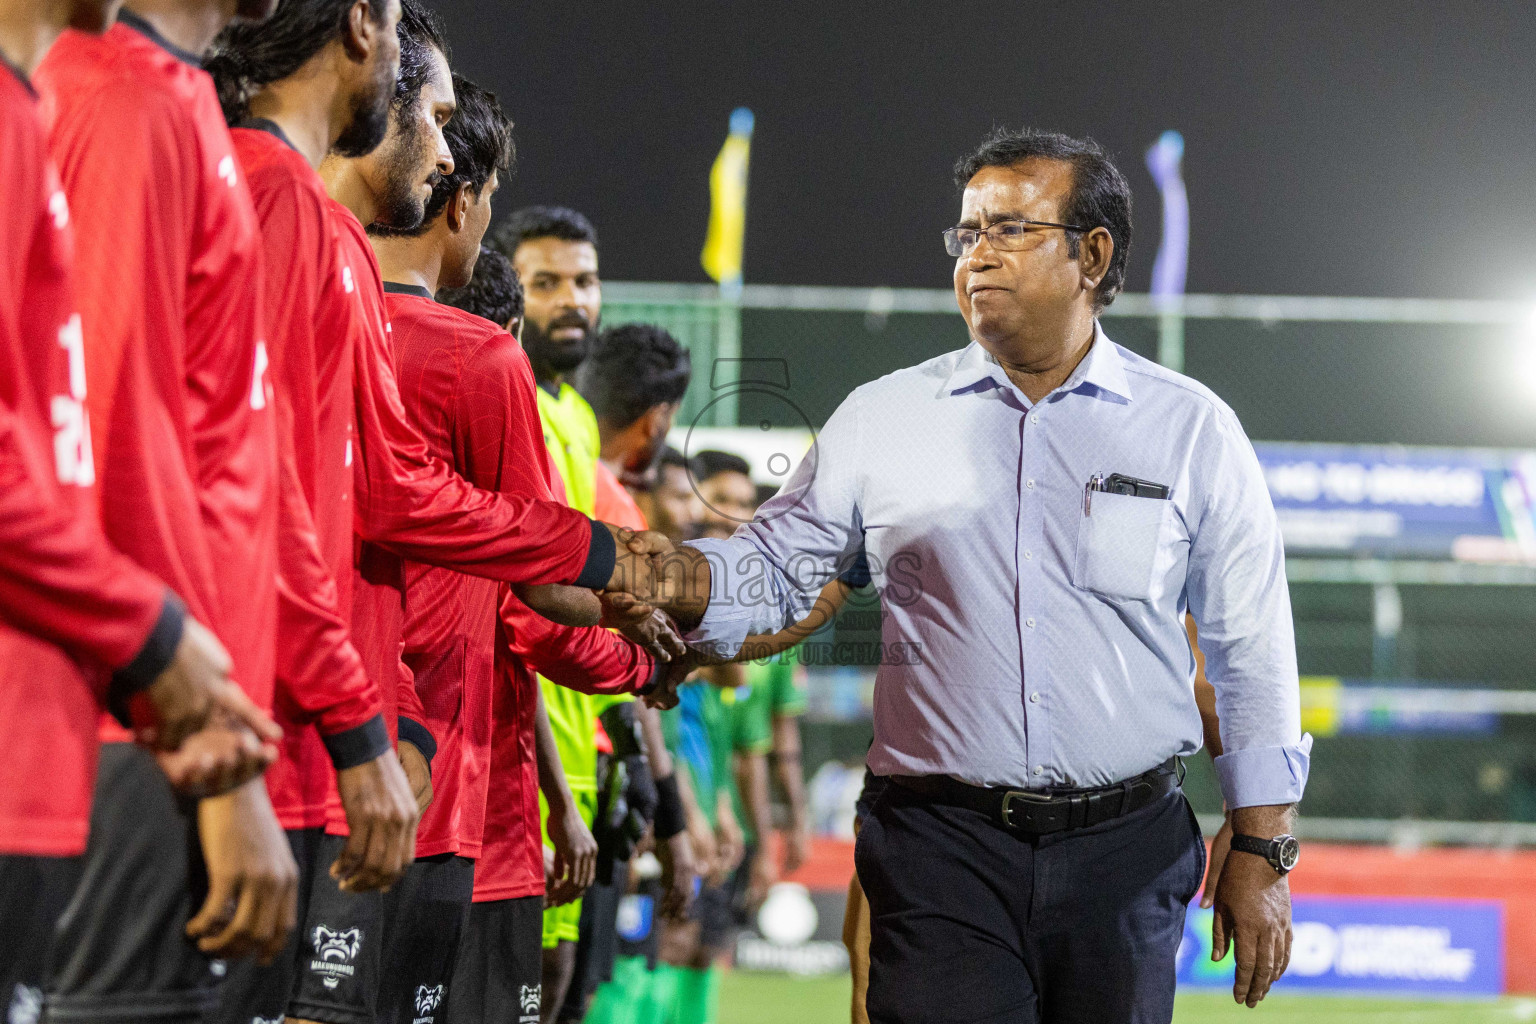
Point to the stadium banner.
(1352, 944)
(1385, 501)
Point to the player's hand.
(657, 635)
(730, 843)
(621, 610)
(679, 875)
(568, 606)
(194, 687)
(215, 759)
(1252, 910)
(575, 863)
(1220, 847)
(677, 672)
(701, 840)
(797, 849)
(634, 569)
(252, 879)
(381, 824)
(418, 774)
(549, 873)
(764, 874)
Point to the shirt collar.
(1102, 371)
(143, 27)
(396, 288)
(261, 124)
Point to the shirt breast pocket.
(1118, 543)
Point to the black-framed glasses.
(1006, 235)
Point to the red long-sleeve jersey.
(468, 386)
(72, 609)
(410, 504)
(330, 710)
(179, 407)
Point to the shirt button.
(1030, 623)
(1035, 418)
(1029, 484)
(1039, 769)
(1034, 698)
(1028, 555)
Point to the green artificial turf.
(751, 998)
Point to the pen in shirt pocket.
(1095, 483)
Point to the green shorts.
(562, 924)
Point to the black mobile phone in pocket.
(1119, 483)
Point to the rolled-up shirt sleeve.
(1238, 595)
(769, 574)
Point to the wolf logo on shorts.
(428, 998)
(334, 952)
(530, 997)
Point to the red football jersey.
(592, 660)
(320, 676)
(174, 358)
(468, 386)
(410, 504)
(60, 582)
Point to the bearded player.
(469, 387)
(83, 625)
(183, 442)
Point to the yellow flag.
(728, 202)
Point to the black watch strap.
(1270, 849)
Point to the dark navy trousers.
(972, 923)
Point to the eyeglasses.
(1006, 235)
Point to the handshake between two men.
(657, 593)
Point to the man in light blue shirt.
(1039, 510)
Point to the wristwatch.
(1282, 852)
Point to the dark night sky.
(1334, 148)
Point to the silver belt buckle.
(1023, 796)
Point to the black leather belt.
(1043, 812)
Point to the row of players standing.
(328, 468)
(608, 402)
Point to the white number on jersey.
(72, 456)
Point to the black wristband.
(420, 737)
(602, 556)
(158, 651)
(670, 817)
(359, 744)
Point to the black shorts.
(499, 977)
(121, 948)
(598, 946)
(257, 994)
(712, 909)
(33, 892)
(386, 957)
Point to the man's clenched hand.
(381, 823)
(575, 857)
(215, 759)
(418, 774)
(252, 878)
(679, 873)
